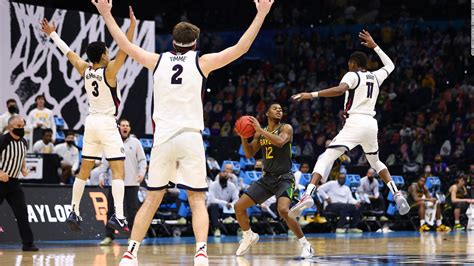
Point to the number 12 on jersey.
(268, 152)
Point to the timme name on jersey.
(177, 95)
(103, 98)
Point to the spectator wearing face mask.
(258, 165)
(370, 186)
(12, 108)
(440, 168)
(70, 157)
(222, 194)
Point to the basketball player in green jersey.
(277, 180)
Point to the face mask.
(341, 182)
(438, 160)
(70, 142)
(223, 182)
(258, 169)
(12, 109)
(20, 132)
(371, 179)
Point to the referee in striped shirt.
(12, 161)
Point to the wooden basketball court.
(367, 248)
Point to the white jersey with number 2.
(178, 84)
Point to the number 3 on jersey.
(95, 92)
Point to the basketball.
(244, 127)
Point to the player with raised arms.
(101, 135)
(179, 76)
(361, 88)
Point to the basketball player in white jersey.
(101, 135)
(179, 77)
(361, 88)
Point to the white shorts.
(358, 130)
(180, 161)
(102, 137)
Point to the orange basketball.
(244, 127)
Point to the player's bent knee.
(283, 212)
(375, 162)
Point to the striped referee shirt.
(12, 154)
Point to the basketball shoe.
(403, 207)
(128, 259)
(307, 251)
(305, 202)
(246, 243)
(74, 221)
(120, 225)
(200, 258)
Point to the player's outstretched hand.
(367, 39)
(47, 27)
(264, 6)
(133, 20)
(302, 96)
(103, 6)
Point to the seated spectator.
(457, 199)
(229, 171)
(69, 154)
(12, 110)
(41, 118)
(304, 169)
(369, 187)
(417, 196)
(222, 194)
(45, 145)
(258, 165)
(440, 168)
(339, 200)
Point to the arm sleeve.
(387, 68)
(376, 189)
(322, 190)
(141, 158)
(351, 79)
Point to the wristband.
(315, 94)
(60, 43)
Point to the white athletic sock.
(77, 191)
(456, 221)
(118, 191)
(310, 189)
(422, 222)
(133, 247)
(393, 188)
(201, 246)
(247, 234)
(439, 222)
(303, 241)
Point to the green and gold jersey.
(276, 161)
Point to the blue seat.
(206, 132)
(381, 183)
(398, 180)
(147, 156)
(353, 182)
(235, 166)
(182, 195)
(390, 197)
(60, 136)
(251, 176)
(59, 122)
(433, 184)
(307, 211)
(146, 143)
(241, 151)
(246, 163)
(305, 179)
(79, 141)
(295, 167)
(254, 211)
(392, 209)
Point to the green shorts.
(269, 185)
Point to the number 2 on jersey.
(175, 79)
(268, 152)
(95, 92)
(370, 89)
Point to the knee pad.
(375, 162)
(325, 161)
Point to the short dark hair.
(39, 97)
(360, 58)
(69, 133)
(11, 101)
(95, 50)
(122, 120)
(47, 130)
(185, 32)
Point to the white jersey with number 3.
(178, 84)
(363, 91)
(103, 98)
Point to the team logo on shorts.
(122, 150)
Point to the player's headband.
(180, 44)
